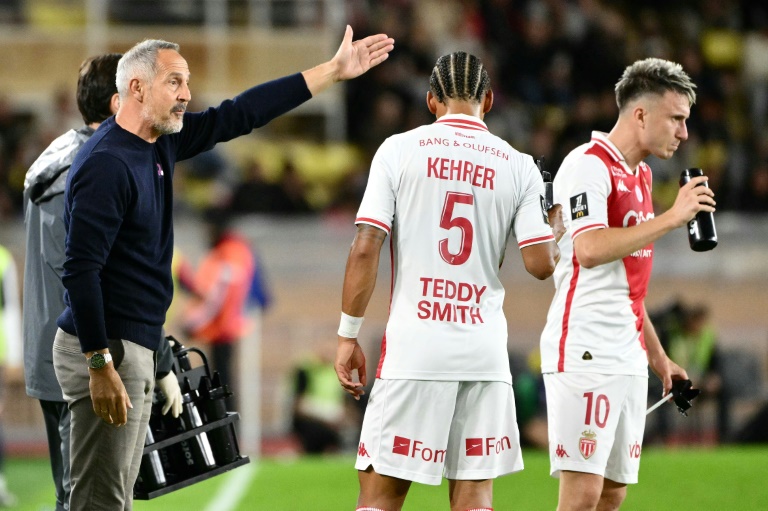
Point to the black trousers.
(56, 416)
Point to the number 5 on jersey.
(448, 221)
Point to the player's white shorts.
(422, 430)
(596, 423)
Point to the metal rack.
(140, 492)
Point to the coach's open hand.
(355, 58)
(351, 60)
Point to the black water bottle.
(547, 178)
(702, 235)
(181, 356)
(151, 471)
(213, 395)
(197, 452)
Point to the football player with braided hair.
(450, 195)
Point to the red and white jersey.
(595, 322)
(450, 194)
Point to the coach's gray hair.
(140, 62)
(653, 76)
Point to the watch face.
(97, 361)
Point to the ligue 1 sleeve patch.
(579, 207)
(543, 203)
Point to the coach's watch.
(98, 360)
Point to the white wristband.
(349, 326)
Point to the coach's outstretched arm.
(351, 60)
(359, 282)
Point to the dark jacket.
(118, 213)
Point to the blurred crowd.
(553, 66)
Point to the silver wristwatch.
(98, 360)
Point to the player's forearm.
(652, 341)
(362, 268)
(601, 246)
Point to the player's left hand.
(355, 58)
(666, 370)
(350, 357)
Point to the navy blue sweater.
(118, 215)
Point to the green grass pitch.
(716, 479)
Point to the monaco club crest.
(587, 443)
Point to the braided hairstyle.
(459, 76)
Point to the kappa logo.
(159, 170)
(587, 443)
(560, 452)
(621, 186)
(362, 451)
(579, 206)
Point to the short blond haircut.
(653, 76)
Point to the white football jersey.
(450, 194)
(594, 324)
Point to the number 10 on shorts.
(601, 406)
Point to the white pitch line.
(231, 492)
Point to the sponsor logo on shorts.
(560, 452)
(587, 443)
(579, 206)
(487, 446)
(635, 450)
(362, 451)
(415, 449)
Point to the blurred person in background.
(598, 341)
(44, 183)
(691, 340)
(228, 279)
(530, 400)
(117, 272)
(10, 337)
(321, 415)
(451, 195)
